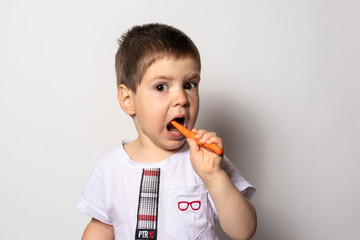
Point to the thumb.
(194, 147)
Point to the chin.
(176, 145)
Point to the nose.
(180, 98)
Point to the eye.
(161, 87)
(190, 86)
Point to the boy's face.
(168, 91)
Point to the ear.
(125, 98)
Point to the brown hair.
(143, 45)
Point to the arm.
(97, 230)
(236, 214)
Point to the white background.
(280, 84)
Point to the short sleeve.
(93, 200)
(239, 181)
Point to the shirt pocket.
(187, 212)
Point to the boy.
(156, 186)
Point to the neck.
(142, 150)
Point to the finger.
(216, 140)
(199, 134)
(206, 136)
(194, 148)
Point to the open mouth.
(171, 128)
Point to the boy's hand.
(205, 162)
(236, 214)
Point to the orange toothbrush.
(189, 134)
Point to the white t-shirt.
(111, 195)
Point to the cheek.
(155, 110)
(194, 110)
(195, 103)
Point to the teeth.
(174, 131)
(171, 128)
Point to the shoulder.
(110, 152)
(109, 157)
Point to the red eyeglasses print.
(195, 205)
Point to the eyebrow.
(192, 76)
(160, 77)
(187, 77)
